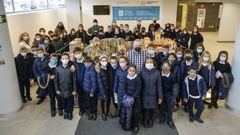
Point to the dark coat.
(109, 35)
(152, 88)
(111, 76)
(184, 69)
(23, 67)
(102, 83)
(40, 66)
(83, 35)
(175, 70)
(202, 89)
(119, 83)
(90, 80)
(133, 87)
(80, 69)
(211, 76)
(65, 81)
(195, 39)
(182, 41)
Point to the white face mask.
(199, 50)
(223, 58)
(65, 61)
(38, 39)
(151, 52)
(149, 66)
(205, 59)
(42, 33)
(104, 63)
(24, 54)
(179, 56)
(40, 55)
(78, 56)
(46, 41)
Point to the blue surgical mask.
(114, 65)
(87, 65)
(53, 61)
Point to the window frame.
(33, 10)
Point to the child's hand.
(74, 93)
(58, 92)
(159, 101)
(91, 95)
(72, 69)
(185, 100)
(115, 94)
(52, 77)
(203, 98)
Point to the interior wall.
(31, 22)
(229, 22)
(168, 11)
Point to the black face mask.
(138, 49)
(188, 58)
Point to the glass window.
(56, 3)
(8, 6)
(25, 5)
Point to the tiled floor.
(35, 120)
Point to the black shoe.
(191, 119)
(110, 115)
(215, 105)
(171, 124)
(115, 114)
(90, 116)
(60, 113)
(104, 117)
(39, 101)
(150, 124)
(53, 114)
(199, 120)
(70, 117)
(94, 117)
(81, 113)
(186, 108)
(145, 124)
(29, 98)
(210, 106)
(24, 100)
(135, 130)
(65, 116)
(162, 120)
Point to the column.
(10, 100)
(233, 99)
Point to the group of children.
(164, 80)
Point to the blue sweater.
(90, 80)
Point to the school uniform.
(182, 41)
(80, 69)
(23, 68)
(156, 59)
(101, 35)
(156, 26)
(151, 92)
(109, 34)
(65, 82)
(167, 33)
(208, 74)
(151, 35)
(193, 90)
(161, 58)
(40, 67)
(128, 36)
(83, 35)
(172, 34)
(130, 113)
(52, 92)
(111, 76)
(223, 67)
(166, 107)
(137, 36)
(90, 86)
(195, 39)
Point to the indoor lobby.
(218, 22)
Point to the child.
(53, 63)
(223, 69)
(206, 70)
(112, 68)
(152, 54)
(131, 103)
(162, 56)
(151, 91)
(80, 69)
(183, 39)
(169, 95)
(40, 67)
(185, 64)
(196, 37)
(103, 86)
(179, 55)
(118, 88)
(198, 51)
(23, 67)
(38, 41)
(194, 91)
(65, 85)
(90, 87)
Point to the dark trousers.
(136, 111)
(200, 107)
(105, 105)
(148, 114)
(67, 104)
(214, 94)
(166, 107)
(91, 103)
(24, 88)
(81, 100)
(53, 97)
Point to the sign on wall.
(136, 12)
(201, 17)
